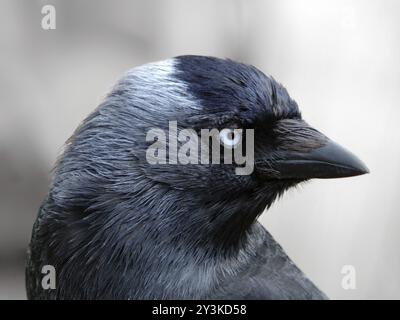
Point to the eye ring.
(230, 138)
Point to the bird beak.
(310, 154)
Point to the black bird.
(115, 226)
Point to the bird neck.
(219, 224)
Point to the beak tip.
(363, 169)
(356, 167)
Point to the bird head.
(205, 93)
(106, 164)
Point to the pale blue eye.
(230, 138)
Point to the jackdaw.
(115, 225)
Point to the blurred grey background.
(338, 59)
